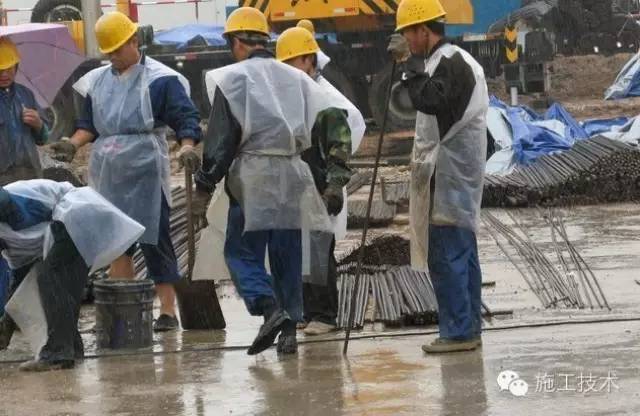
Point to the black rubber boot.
(275, 319)
(7, 328)
(287, 342)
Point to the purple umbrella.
(48, 56)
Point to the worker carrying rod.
(261, 119)
(448, 89)
(335, 136)
(128, 106)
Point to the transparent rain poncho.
(358, 127)
(99, 230)
(460, 158)
(276, 106)
(129, 162)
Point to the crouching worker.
(54, 234)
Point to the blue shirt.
(17, 140)
(20, 213)
(171, 107)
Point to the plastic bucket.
(124, 313)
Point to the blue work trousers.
(455, 273)
(245, 256)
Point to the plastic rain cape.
(460, 160)
(129, 162)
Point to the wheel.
(61, 116)
(338, 79)
(402, 115)
(49, 11)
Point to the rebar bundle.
(566, 286)
(397, 295)
(593, 171)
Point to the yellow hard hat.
(113, 30)
(295, 42)
(307, 24)
(9, 56)
(246, 19)
(412, 12)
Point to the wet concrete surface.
(208, 373)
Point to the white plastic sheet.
(99, 230)
(25, 308)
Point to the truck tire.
(402, 115)
(50, 11)
(338, 79)
(61, 115)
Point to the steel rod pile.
(555, 287)
(397, 295)
(388, 250)
(593, 171)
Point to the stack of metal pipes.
(593, 171)
(394, 295)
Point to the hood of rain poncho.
(460, 158)
(100, 231)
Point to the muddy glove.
(333, 199)
(399, 48)
(188, 157)
(63, 150)
(199, 207)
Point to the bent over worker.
(261, 120)
(128, 106)
(336, 134)
(22, 122)
(448, 89)
(55, 233)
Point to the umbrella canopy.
(48, 56)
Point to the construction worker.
(22, 127)
(261, 120)
(448, 89)
(128, 106)
(22, 122)
(51, 234)
(323, 59)
(332, 146)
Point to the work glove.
(63, 150)
(333, 198)
(199, 207)
(412, 68)
(399, 48)
(188, 157)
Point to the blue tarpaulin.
(573, 130)
(627, 83)
(183, 36)
(595, 127)
(534, 135)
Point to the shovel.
(197, 300)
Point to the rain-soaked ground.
(570, 362)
